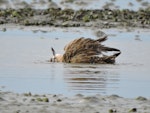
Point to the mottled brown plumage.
(86, 50)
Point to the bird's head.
(56, 57)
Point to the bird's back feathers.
(86, 50)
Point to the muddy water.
(24, 65)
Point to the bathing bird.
(86, 50)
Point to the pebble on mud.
(133, 110)
(141, 98)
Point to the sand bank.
(49, 103)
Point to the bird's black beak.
(53, 51)
(53, 59)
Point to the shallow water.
(24, 65)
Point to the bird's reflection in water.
(91, 78)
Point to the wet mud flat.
(48, 103)
(57, 17)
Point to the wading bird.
(86, 50)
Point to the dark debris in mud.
(102, 18)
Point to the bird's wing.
(82, 47)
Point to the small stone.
(133, 110)
(28, 94)
(39, 99)
(97, 112)
(112, 111)
(18, 111)
(1, 99)
(141, 98)
(54, 95)
(79, 95)
(59, 100)
(86, 18)
(45, 100)
(4, 29)
(32, 99)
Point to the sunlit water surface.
(24, 65)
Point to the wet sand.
(47, 103)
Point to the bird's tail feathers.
(102, 39)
